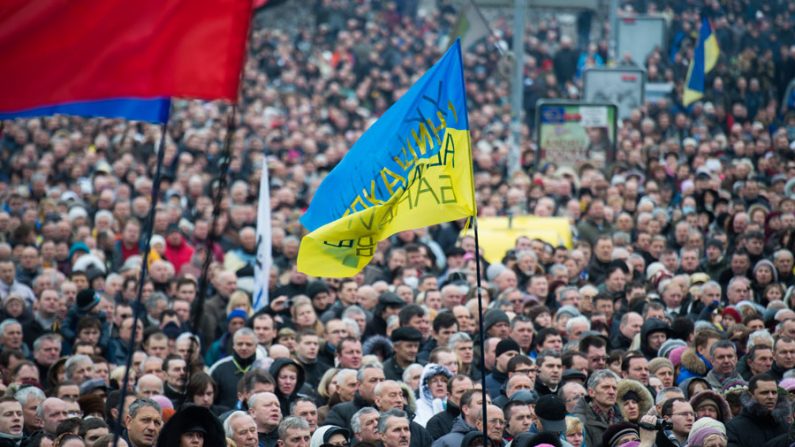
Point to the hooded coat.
(427, 405)
(180, 254)
(646, 399)
(724, 411)
(693, 365)
(187, 417)
(649, 327)
(685, 386)
(756, 425)
(285, 400)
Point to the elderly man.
(241, 428)
(389, 396)
(11, 337)
(294, 432)
(149, 385)
(30, 398)
(369, 376)
(393, 428)
(364, 425)
(52, 411)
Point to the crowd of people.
(670, 321)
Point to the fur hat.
(709, 397)
(642, 395)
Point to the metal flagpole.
(198, 304)
(480, 330)
(137, 307)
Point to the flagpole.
(137, 309)
(480, 331)
(197, 310)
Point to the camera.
(661, 424)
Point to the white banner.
(262, 268)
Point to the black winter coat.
(441, 423)
(756, 425)
(341, 414)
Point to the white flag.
(262, 268)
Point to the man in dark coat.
(441, 423)
(341, 414)
(228, 371)
(764, 414)
(406, 343)
(388, 396)
(389, 304)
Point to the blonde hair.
(573, 425)
(322, 386)
(239, 300)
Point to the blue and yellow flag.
(704, 58)
(412, 168)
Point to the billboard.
(640, 35)
(570, 133)
(623, 87)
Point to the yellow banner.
(498, 234)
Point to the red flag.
(76, 51)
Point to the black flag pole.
(137, 307)
(480, 330)
(197, 310)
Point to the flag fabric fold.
(118, 58)
(705, 56)
(262, 267)
(412, 168)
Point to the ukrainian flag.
(412, 168)
(704, 59)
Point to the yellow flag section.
(437, 189)
(498, 234)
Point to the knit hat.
(788, 384)
(768, 264)
(13, 297)
(78, 246)
(732, 312)
(551, 411)
(675, 356)
(734, 386)
(87, 299)
(568, 310)
(659, 362)
(494, 316)
(507, 345)
(315, 288)
(236, 313)
(702, 428)
(611, 436)
(669, 345)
